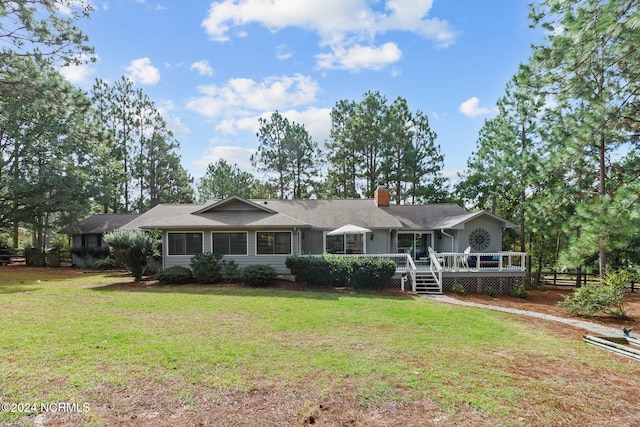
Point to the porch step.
(427, 284)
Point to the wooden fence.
(553, 278)
(36, 257)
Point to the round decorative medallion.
(479, 239)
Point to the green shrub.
(207, 268)
(258, 275)
(458, 289)
(5, 241)
(230, 271)
(609, 297)
(177, 275)
(309, 269)
(490, 291)
(354, 272)
(521, 292)
(108, 263)
(339, 271)
(132, 249)
(371, 273)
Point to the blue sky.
(214, 67)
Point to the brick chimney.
(382, 196)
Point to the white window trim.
(364, 242)
(238, 231)
(166, 239)
(274, 231)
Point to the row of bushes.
(210, 268)
(352, 272)
(355, 273)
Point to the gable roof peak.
(231, 200)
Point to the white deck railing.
(487, 261)
(450, 262)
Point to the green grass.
(64, 338)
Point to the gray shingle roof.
(325, 214)
(100, 223)
(426, 216)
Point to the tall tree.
(287, 151)
(373, 142)
(167, 181)
(49, 148)
(223, 180)
(149, 170)
(590, 65)
(370, 124)
(343, 152)
(501, 173)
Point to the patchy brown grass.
(582, 394)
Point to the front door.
(416, 244)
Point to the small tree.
(132, 249)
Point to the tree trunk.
(602, 191)
(578, 276)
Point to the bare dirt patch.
(143, 404)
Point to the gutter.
(451, 237)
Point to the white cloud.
(67, 8)
(344, 26)
(174, 123)
(359, 57)
(202, 67)
(283, 52)
(141, 71)
(242, 96)
(78, 73)
(471, 108)
(234, 155)
(317, 121)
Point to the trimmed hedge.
(176, 275)
(258, 275)
(353, 272)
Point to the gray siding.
(494, 229)
(381, 243)
(275, 261)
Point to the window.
(272, 242)
(416, 244)
(184, 243)
(91, 240)
(229, 243)
(349, 244)
(335, 244)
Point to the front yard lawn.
(133, 354)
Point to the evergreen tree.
(373, 142)
(222, 180)
(287, 151)
(590, 65)
(149, 169)
(50, 147)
